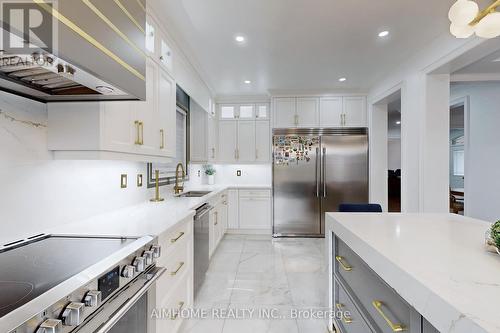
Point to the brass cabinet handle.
(216, 214)
(138, 132)
(296, 120)
(173, 240)
(213, 152)
(178, 269)
(141, 124)
(346, 319)
(162, 139)
(179, 309)
(394, 327)
(343, 264)
(256, 154)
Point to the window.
(458, 163)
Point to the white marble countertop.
(148, 218)
(436, 262)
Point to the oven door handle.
(106, 327)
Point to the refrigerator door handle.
(323, 171)
(318, 158)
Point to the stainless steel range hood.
(96, 52)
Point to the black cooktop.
(29, 270)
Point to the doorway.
(457, 158)
(394, 156)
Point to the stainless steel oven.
(128, 311)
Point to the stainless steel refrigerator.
(314, 171)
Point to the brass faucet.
(179, 173)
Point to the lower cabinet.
(218, 222)
(363, 302)
(255, 209)
(174, 290)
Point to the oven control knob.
(50, 326)
(149, 257)
(92, 298)
(73, 314)
(139, 264)
(128, 271)
(156, 250)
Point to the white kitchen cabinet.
(262, 111)
(262, 141)
(255, 212)
(199, 134)
(355, 111)
(307, 112)
(246, 112)
(228, 111)
(130, 130)
(232, 209)
(212, 138)
(167, 132)
(228, 141)
(331, 111)
(174, 289)
(246, 141)
(285, 112)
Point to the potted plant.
(210, 172)
(495, 235)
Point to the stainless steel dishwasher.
(201, 244)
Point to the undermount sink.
(194, 194)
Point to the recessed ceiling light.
(398, 122)
(240, 39)
(384, 33)
(342, 79)
(248, 81)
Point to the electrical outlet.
(199, 173)
(238, 173)
(123, 181)
(139, 180)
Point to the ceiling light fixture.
(398, 122)
(342, 79)
(248, 81)
(466, 19)
(384, 33)
(240, 39)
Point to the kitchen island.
(412, 272)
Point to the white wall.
(482, 173)
(251, 174)
(37, 192)
(394, 154)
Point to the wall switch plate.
(238, 173)
(139, 180)
(123, 181)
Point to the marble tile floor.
(262, 285)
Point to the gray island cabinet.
(411, 272)
(364, 303)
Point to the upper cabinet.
(130, 130)
(341, 111)
(307, 112)
(285, 112)
(243, 133)
(355, 111)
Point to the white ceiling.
(301, 45)
(488, 65)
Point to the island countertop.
(436, 262)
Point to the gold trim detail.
(482, 14)
(63, 19)
(122, 7)
(112, 26)
(141, 5)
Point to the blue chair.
(360, 208)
